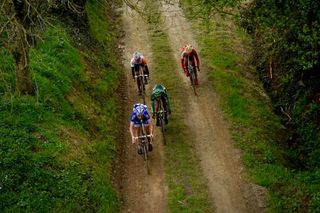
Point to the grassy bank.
(57, 146)
(256, 129)
(187, 191)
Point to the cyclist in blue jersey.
(139, 116)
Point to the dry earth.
(140, 192)
(220, 161)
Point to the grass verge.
(187, 190)
(256, 129)
(57, 146)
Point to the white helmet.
(136, 56)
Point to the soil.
(140, 192)
(220, 161)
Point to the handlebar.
(160, 111)
(143, 136)
(136, 76)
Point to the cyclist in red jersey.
(188, 51)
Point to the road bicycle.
(141, 82)
(144, 143)
(192, 75)
(160, 116)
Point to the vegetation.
(21, 23)
(280, 153)
(288, 65)
(187, 190)
(57, 145)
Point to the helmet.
(157, 93)
(136, 56)
(188, 48)
(139, 109)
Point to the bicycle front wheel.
(163, 131)
(143, 90)
(146, 158)
(193, 83)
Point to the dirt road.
(220, 161)
(140, 192)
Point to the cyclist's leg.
(195, 71)
(139, 85)
(133, 73)
(145, 72)
(157, 104)
(136, 69)
(136, 133)
(187, 66)
(147, 127)
(196, 76)
(165, 107)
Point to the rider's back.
(158, 89)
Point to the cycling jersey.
(158, 88)
(192, 55)
(134, 118)
(142, 61)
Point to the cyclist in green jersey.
(158, 96)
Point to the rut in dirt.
(140, 192)
(220, 161)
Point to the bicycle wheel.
(139, 84)
(163, 130)
(143, 90)
(145, 157)
(193, 83)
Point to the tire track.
(140, 192)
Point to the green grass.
(256, 129)
(187, 189)
(57, 146)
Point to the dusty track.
(220, 161)
(140, 192)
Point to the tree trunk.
(21, 56)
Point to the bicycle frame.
(139, 76)
(144, 143)
(192, 74)
(161, 116)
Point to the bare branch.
(76, 8)
(270, 69)
(9, 20)
(283, 112)
(134, 7)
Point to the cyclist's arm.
(168, 102)
(152, 106)
(132, 62)
(131, 129)
(150, 127)
(146, 67)
(144, 61)
(183, 60)
(197, 58)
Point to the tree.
(21, 22)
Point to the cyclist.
(159, 94)
(189, 52)
(136, 61)
(140, 116)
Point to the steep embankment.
(57, 146)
